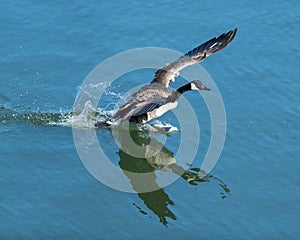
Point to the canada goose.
(154, 99)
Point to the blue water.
(48, 48)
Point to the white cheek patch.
(193, 86)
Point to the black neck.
(184, 88)
(176, 94)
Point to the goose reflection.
(154, 159)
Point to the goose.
(153, 100)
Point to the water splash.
(85, 119)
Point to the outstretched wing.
(171, 70)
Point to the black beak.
(205, 88)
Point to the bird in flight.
(154, 99)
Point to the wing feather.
(198, 54)
(147, 108)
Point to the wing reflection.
(155, 158)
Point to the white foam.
(86, 119)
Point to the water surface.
(47, 49)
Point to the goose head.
(198, 85)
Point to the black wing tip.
(213, 45)
(232, 33)
(233, 30)
(226, 38)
